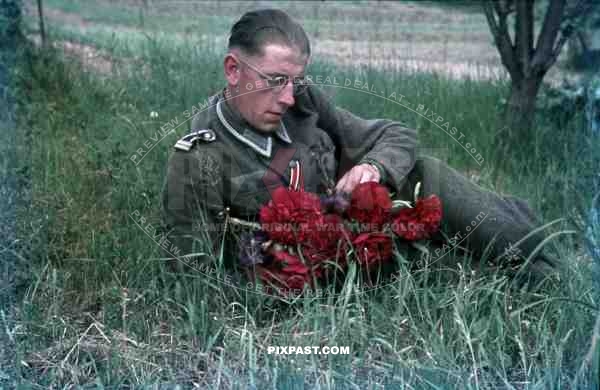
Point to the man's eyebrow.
(276, 74)
(283, 75)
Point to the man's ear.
(307, 63)
(231, 68)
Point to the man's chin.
(268, 127)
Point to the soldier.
(269, 128)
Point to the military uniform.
(227, 168)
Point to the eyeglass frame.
(297, 88)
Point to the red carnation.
(287, 272)
(406, 225)
(419, 222)
(324, 238)
(372, 248)
(296, 200)
(370, 203)
(325, 232)
(430, 212)
(285, 216)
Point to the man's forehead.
(282, 59)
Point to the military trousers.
(493, 226)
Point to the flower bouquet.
(303, 237)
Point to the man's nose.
(287, 95)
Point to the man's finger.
(340, 185)
(354, 177)
(352, 182)
(368, 177)
(345, 183)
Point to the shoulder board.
(187, 142)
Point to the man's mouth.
(276, 115)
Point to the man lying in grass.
(269, 127)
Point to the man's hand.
(358, 174)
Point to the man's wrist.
(377, 166)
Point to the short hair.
(256, 29)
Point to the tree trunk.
(520, 111)
(41, 22)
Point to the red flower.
(288, 212)
(419, 222)
(405, 224)
(430, 212)
(323, 238)
(372, 248)
(370, 203)
(287, 272)
(325, 232)
(296, 219)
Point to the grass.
(96, 307)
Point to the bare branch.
(489, 14)
(499, 31)
(504, 7)
(550, 28)
(40, 7)
(570, 25)
(564, 36)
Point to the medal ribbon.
(296, 177)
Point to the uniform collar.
(232, 120)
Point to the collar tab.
(261, 144)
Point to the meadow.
(96, 306)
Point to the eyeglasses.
(278, 83)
